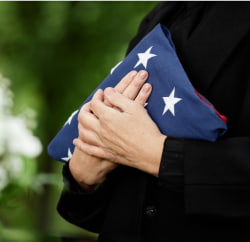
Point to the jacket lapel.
(206, 41)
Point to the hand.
(124, 134)
(89, 170)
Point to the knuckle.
(104, 134)
(81, 120)
(93, 151)
(80, 117)
(92, 104)
(85, 106)
(105, 118)
(140, 100)
(138, 83)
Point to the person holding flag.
(156, 161)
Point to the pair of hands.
(115, 128)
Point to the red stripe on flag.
(222, 117)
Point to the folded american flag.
(174, 105)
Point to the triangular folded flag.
(174, 105)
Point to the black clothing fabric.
(203, 189)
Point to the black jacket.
(203, 189)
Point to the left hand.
(123, 133)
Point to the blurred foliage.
(55, 54)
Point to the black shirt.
(203, 189)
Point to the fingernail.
(75, 142)
(146, 88)
(132, 74)
(143, 74)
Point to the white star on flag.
(166, 75)
(170, 101)
(68, 157)
(70, 118)
(144, 57)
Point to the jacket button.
(151, 211)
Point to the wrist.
(88, 171)
(83, 174)
(152, 156)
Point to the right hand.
(90, 171)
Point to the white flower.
(5, 108)
(19, 139)
(3, 178)
(1, 136)
(16, 138)
(14, 166)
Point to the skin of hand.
(90, 171)
(122, 132)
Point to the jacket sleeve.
(215, 176)
(82, 208)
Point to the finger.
(88, 136)
(123, 84)
(98, 95)
(90, 149)
(126, 80)
(144, 94)
(85, 107)
(117, 100)
(99, 108)
(135, 85)
(87, 119)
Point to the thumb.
(117, 100)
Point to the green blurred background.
(55, 54)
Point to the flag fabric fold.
(174, 105)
